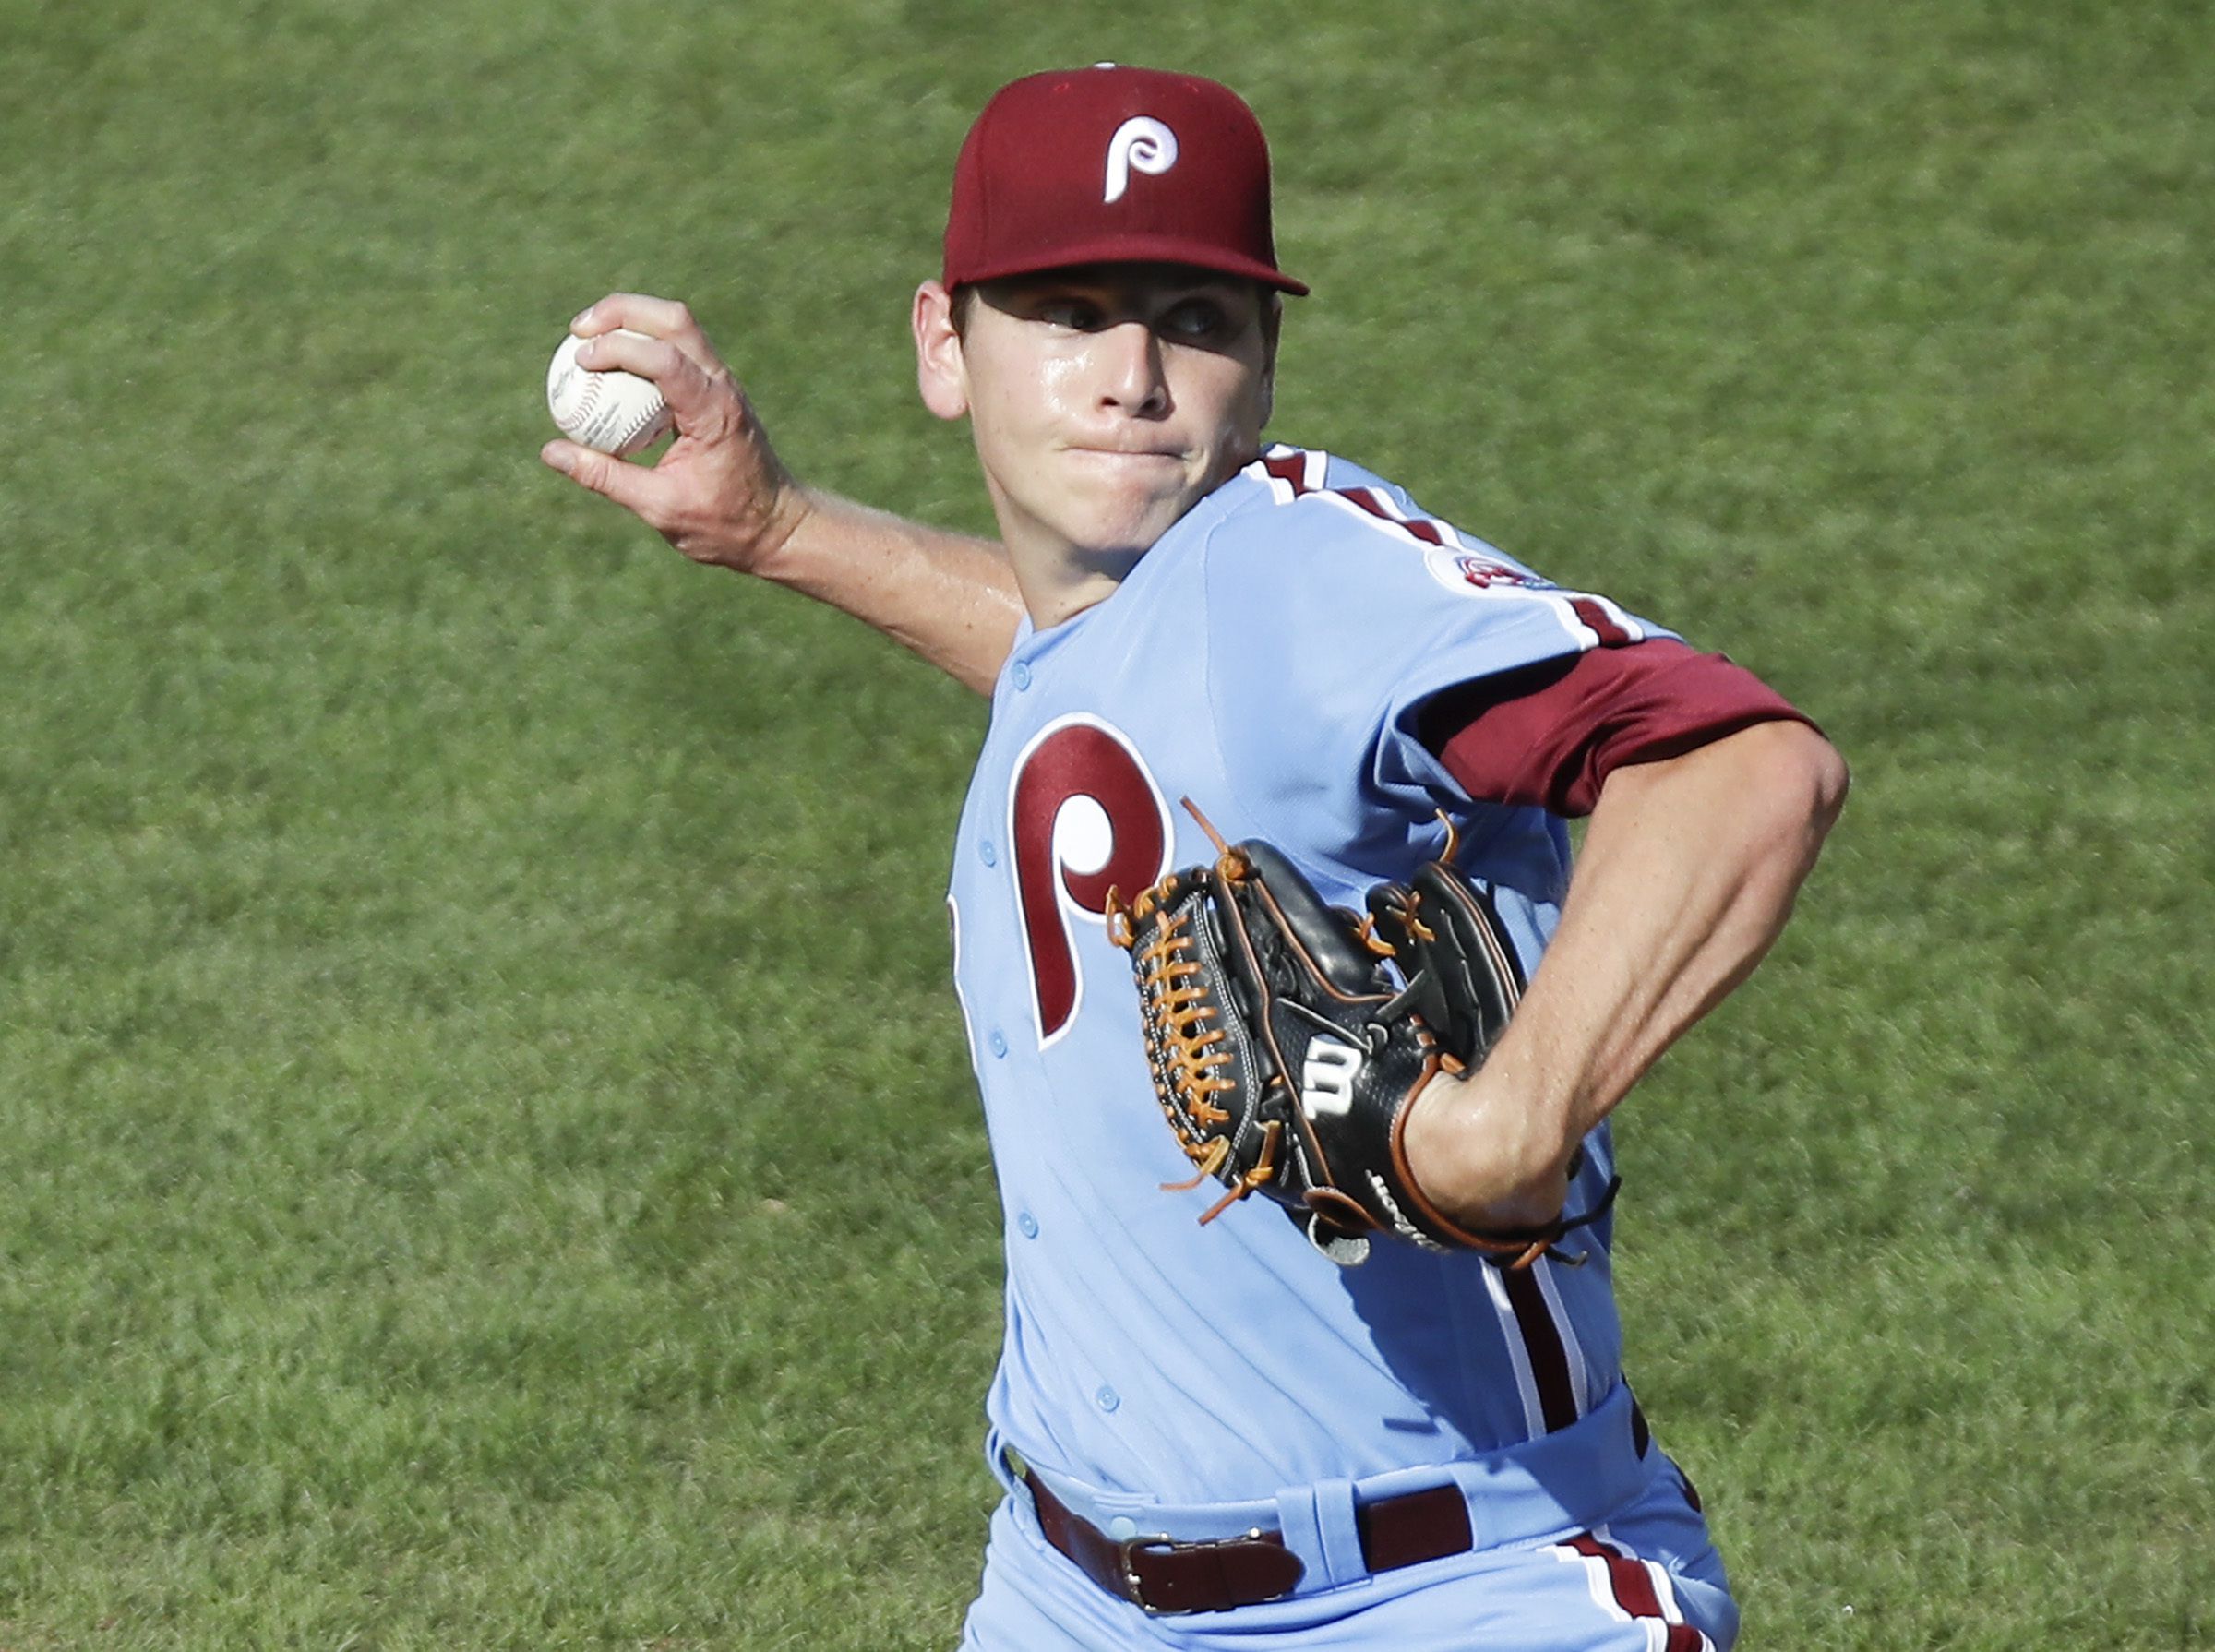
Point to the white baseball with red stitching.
(611, 411)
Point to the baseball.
(612, 411)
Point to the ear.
(940, 373)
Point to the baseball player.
(1215, 1435)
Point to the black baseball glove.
(1288, 1038)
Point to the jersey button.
(1022, 674)
(1029, 1223)
(1108, 1399)
(997, 1042)
(986, 853)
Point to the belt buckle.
(1161, 1542)
(1132, 1584)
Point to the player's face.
(1106, 402)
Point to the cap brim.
(1131, 249)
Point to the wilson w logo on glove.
(1326, 1083)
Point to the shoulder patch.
(1472, 573)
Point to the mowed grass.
(486, 1151)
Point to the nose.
(1130, 371)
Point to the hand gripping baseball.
(1288, 1039)
(719, 493)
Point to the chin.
(1126, 534)
(1135, 523)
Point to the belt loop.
(1303, 1533)
(1342, 1561)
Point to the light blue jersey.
(1266, 659)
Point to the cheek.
(1025, 414)
(1058, 379)
(1229, 394)
(1235, 428)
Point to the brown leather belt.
(1166, 1577)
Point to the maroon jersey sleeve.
(1549, 734)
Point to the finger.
(633, 486)
(656, 318)
(640, 311)
(703, 403)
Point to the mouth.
(1130, 455)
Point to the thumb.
(630, 486)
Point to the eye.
(1078, 314)
(1196, 318)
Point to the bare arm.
(1688, 873)
(721, 495)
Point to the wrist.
(777, 546)
(1487, 1159)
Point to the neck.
(1056, 587)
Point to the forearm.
(949, 597)
(1687, 876)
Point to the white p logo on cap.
(1142, 142)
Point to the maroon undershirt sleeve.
(1549, 734)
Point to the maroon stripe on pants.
(1633, 1590)
(1633, 1587)
(1543, 1342)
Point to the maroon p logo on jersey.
(1084, 817)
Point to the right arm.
(721, 495)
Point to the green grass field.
(487, 1158)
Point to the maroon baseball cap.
(1112, 165)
